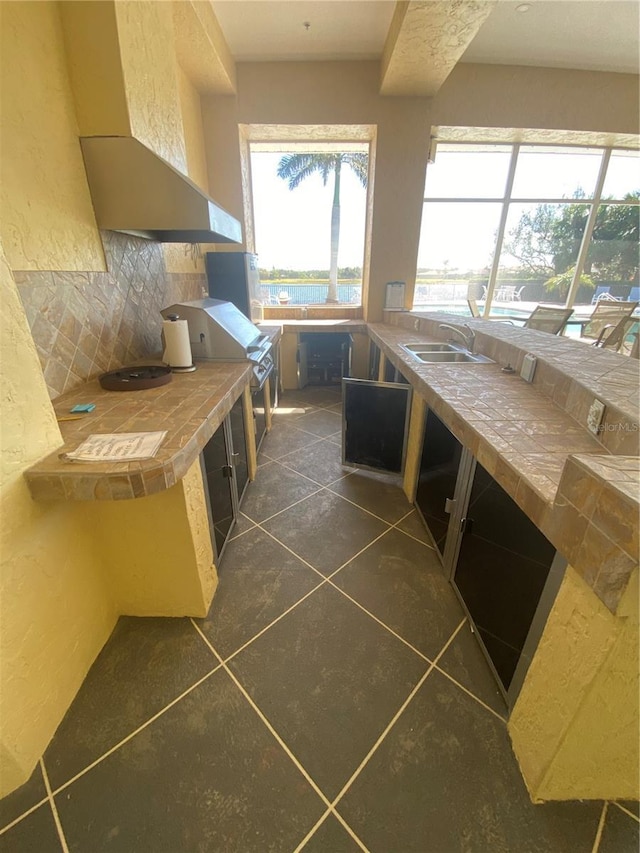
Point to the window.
(506, 224)
(309, 204)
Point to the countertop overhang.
(584, 498)
(190, 407)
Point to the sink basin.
(413, 348)
(448, 353)
(451, 356)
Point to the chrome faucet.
(468, 337)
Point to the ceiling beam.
(201, 48)
(425, 40)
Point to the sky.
(293, 226)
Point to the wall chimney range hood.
(137, 192)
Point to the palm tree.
(294, 168)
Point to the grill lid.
(217, 329)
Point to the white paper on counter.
(118, 447)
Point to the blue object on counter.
(83, 407)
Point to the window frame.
(507, 199)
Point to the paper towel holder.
(176, 369)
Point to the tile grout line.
(262, 717)
(327, 487)
(598, 838)
(132, 734)
(305, 434)
(52, 803)
(328, 580)
(353, 503)
(379, 621)
(319, 823)
(306, 476)
(290, 550)
(320, 489)
(410, 535)
(295, 503)
(344, 823)
(394, 719)
(299, 473)
(473, 695)
(21, 817)
(271, 624)
(625, 810)
(257, 710)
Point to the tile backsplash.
(86, 323)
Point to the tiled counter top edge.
(584, 500)
(191, 407)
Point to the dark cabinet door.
(389, 371)
(225, 469)
(218, 474)
(328, 356)
(439, 463)
(502, 568)
(376, 419)
(238, 436)
(274, 379)
(374, 360)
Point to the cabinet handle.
(466, 526)
(227, 471)
(235, 457)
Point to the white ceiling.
(269, 30)
(584, 34)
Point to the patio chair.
(603, 292)
(608, 324)
(517, 296)
(548, 318)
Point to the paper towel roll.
(177, 349)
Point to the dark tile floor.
(333, 700)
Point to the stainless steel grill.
(218, 331)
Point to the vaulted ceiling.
(419, 42)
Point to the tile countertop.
(315, 325)
(585, 500)
(190, 407)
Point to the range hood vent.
(135, 191)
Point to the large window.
(309, 204)
(511, 226)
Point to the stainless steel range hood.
(136, 191)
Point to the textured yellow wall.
(158, 550)
(179, 257)
(55, 610)
(58, 603)
(145, 31)
(95, 69)
(193, 131)
(47, 217)
(575, 725)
